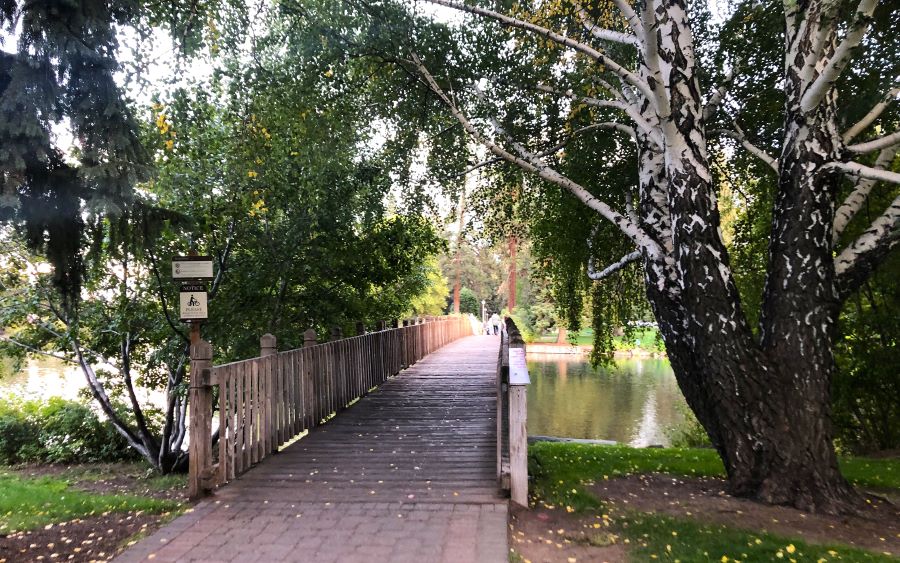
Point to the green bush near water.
(56, 431)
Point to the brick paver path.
(406, 474)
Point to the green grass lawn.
(662, 538)
(27, 503)
(561, 471)
(575, 464)
(643, 338)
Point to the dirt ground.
(91, 539)
(556, 536)
(548, 536)
(96, 538)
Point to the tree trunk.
(764, 404)
(512, 273)
(457, 260)
(561, 335)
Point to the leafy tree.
(433, 301)
(660, 76)
(263, 168)
(469, 303)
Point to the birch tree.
(762, 396)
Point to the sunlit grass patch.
(868, 472)
(30, 503)
(661, 538)
(560, 470)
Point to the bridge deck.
(405, 474)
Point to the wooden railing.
(268, 401)
(512, 415)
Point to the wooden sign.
(518, 369)
(197, 268)
(192, 302)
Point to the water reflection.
(42, 378)
(632, 402)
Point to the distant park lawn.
(643, 338)
(28, 503)
(564, 473)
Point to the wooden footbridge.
(386, 446)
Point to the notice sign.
(192, 300)
(192, 268)
(518, 369)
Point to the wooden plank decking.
(424, 442)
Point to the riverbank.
(585, 349)
(615, 503)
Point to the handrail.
(268, 401)
(512, 414)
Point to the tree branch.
(35, 350)
(870, 117)
(612, 268)
(534, 165)
(612, 125)
(605, 34)
(631, 17)
(105, 404)
(858, 196)
(598, 56)
(622, 105)
(856, 262)
(650, 53)
(751, 148)
(709, 109)
(876, 144)
(862, 171)
(842, 54)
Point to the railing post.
(360, 328)
(200, 469)
(309, 338)
(268, 345)
(337, 333)
(380, 325)
(518, 415)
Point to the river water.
(634, 402)
(42, 378)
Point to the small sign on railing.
(192, 302)
(518, 368)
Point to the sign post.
(192, 271)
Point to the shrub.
(57, 431)
(690, 433)
(19, 439)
